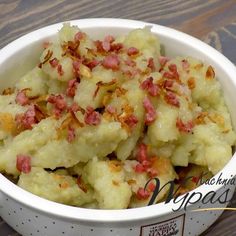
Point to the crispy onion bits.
(150, 115)
(46, 58)
(23, 163)
(92, 117)
(150, 87)
(184, 127)
(27, 119)
(59, 104)
(21, 98)
(111, 62)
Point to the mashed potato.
(94, 121)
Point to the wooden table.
(213, 21)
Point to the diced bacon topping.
(74, 107)
(116, 47)
(59, 104)
(173, 73)
(92, 117)
(111, 62)
(76, 66)
(153, 89)
(54, 62)
(142, 153)
(150, 111)
(172, 99)
(21, 98)
(28, 119)
(163, 60)
(130, 62)
(78, 36)
(23, 163)
(71, 134)
(185, 64)
(72, 85)
(151, 187)
(132, 51)
(131, 121)
(168, 84)
(151, 64)
(184, 127)
(106, 44)
(60, 70)
(139, 168)
(142, 194)
(92, 64)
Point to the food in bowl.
(96, 119)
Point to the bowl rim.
(9, 189)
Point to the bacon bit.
(27, 119)
(185, 64)
(167, 84)
(23, 163)
(115, 165)
(106, 43)
(21, 98)
(153, 89)
(76, 66)
(92, 117)
(146, 164)
(71, 134)
(116, 183)
(151, 64)
(99, 46)
(151, 187)
(75, 107)
(81, 184)
(111, 62)
(72, 85)
(8, 91)
(139, 168)
(92, 64)
(100, 84)
(152, 172)
(142, 153)
(116, 47)
(60, 70)
(54, 62)
(132, 51)
(130, 62)
(191, 83)
(150, 115)
(59, 104)
(46, 58)
(79, 36)
(131, 121)
(172, 99)
(142, 194)
(210, 73)
(163, 60)
(110, 109)
(187, 127)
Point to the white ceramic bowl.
(31, 215)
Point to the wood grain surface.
(213, 21)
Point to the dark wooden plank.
(213, 21)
